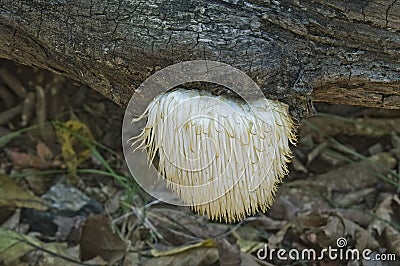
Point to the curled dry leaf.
(25, 160)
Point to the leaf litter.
(344, 183)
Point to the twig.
(9, 114)
(27, 109)
(7, 96)
(41, 110)
(13, 83)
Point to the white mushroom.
(221, 155)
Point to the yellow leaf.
(75, 139)
(12, 195)
(204, 243)
(14, 245)
(249, 246)
(200, 256)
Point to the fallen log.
(342, 52)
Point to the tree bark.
(345, 52)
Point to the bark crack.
(387, 12)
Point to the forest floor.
(67, 197)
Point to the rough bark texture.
(333, 51)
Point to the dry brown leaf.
(330, 232)
(354, 176)
(360, 217)
(383, 215)
(297, 197)
(39, 184)
(315, 194)
(98, 239)
(229, 253)
(358, 175)
(363, 238)
(392, 239)
(44, 152)
(324, 229)
(12, 195)
(132, 258)
(25, 160)
(352, 198)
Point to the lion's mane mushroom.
(221, 155)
